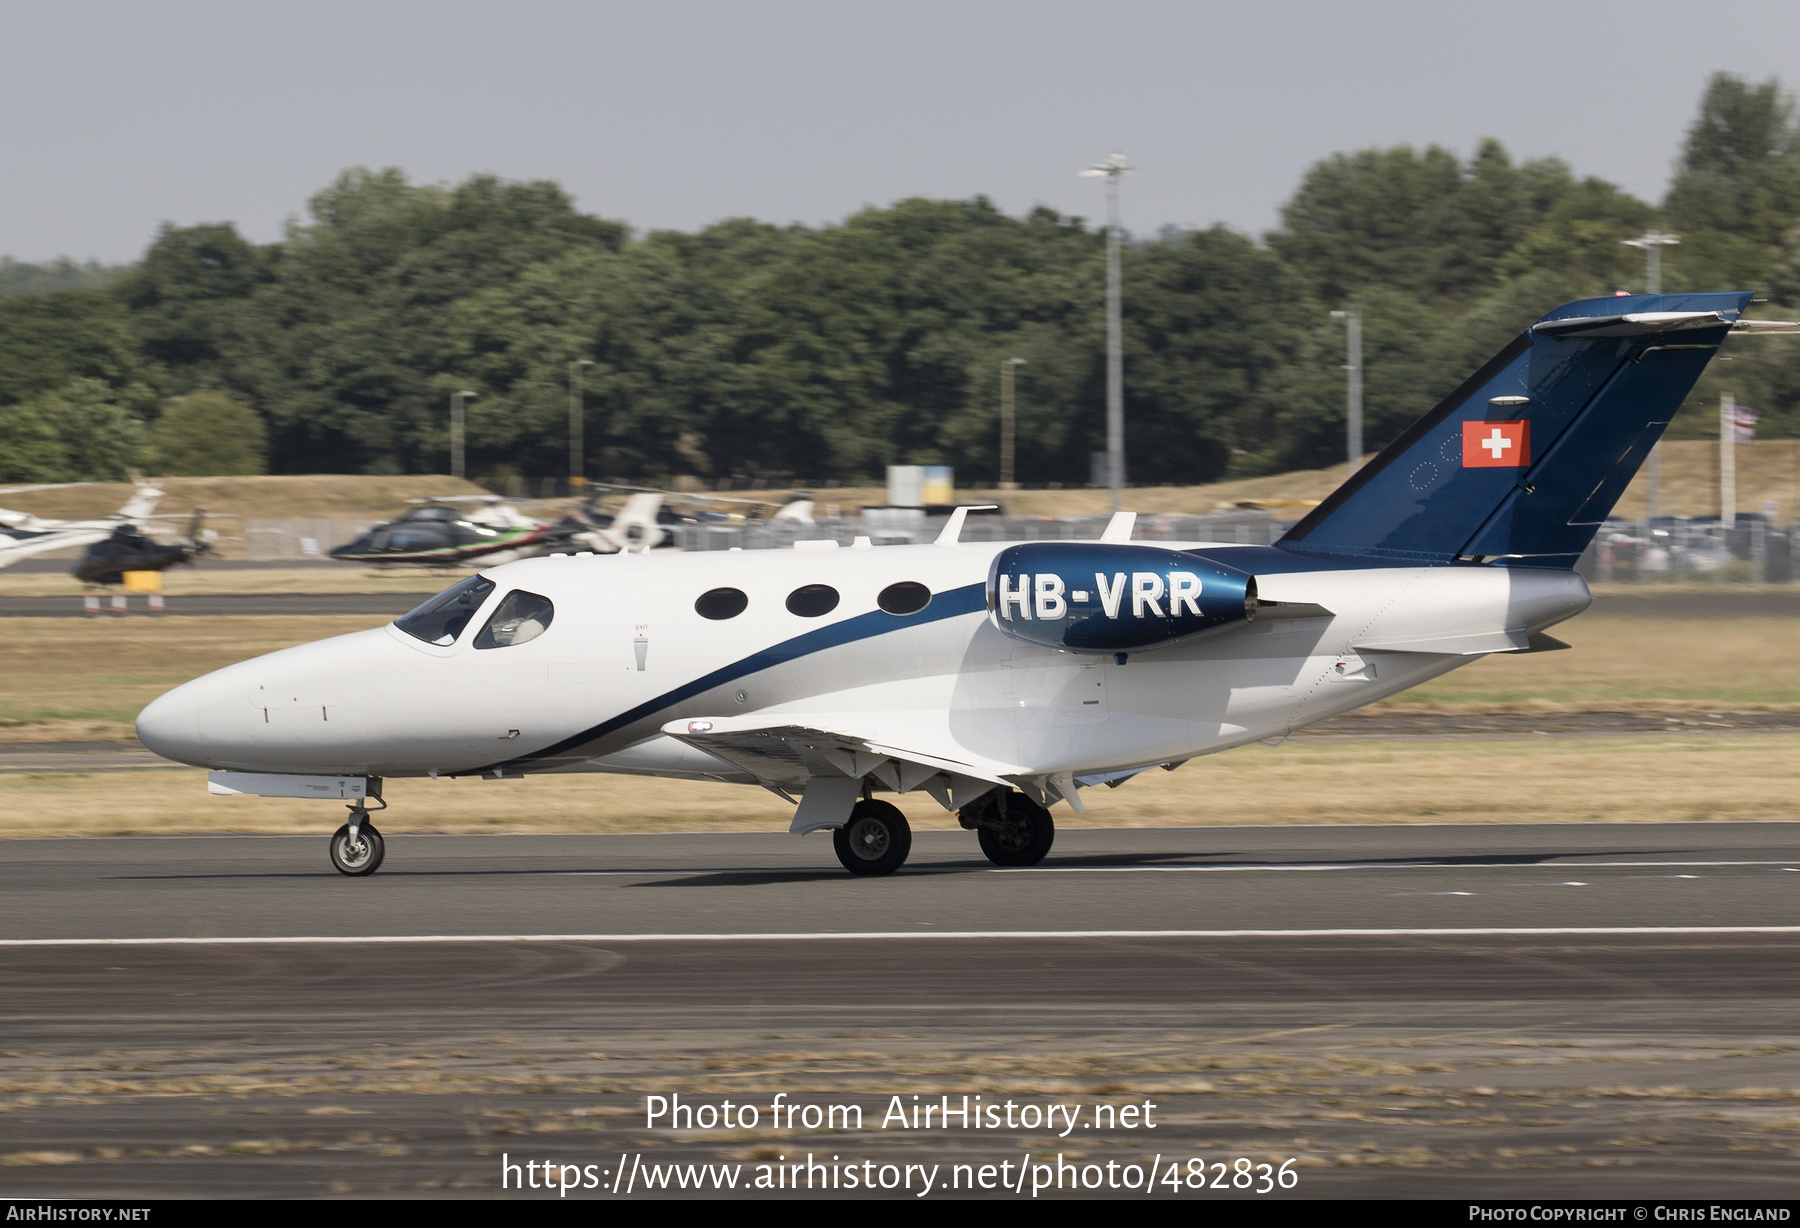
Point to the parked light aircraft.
(23, 535)
(997, 679)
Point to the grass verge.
(1651, 779)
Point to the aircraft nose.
(170, 726)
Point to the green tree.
(48, 339)
(207, 434)
(100, 437)
(19, 277)
(1417, 222)
(1739, 172)
(31, 448)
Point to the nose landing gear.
(356, 847)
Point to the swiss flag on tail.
(1496, 445)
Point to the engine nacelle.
(1106, 597)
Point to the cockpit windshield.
(521, 617)
(440, 620)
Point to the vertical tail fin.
(1526, 459)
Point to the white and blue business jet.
(995, 679)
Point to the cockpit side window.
(522, 616)
(440, 620)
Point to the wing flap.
(787, 751)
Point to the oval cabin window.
(906, 597)
(721, 603)
(812, 600)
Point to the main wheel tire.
(875, 840)
(1014, 830)
(358, 858)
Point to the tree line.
(752, 351)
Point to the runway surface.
(1135, 879)
(1593, 1010)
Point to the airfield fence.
(1623, 552)
(902, 526)
(300, 540)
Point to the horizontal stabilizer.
(1479, 644)
(1474, 645)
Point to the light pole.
(1652, 242)
(577, 470)
(1353, 389)
(456, 431)
(1006, 422)
(1112, 170)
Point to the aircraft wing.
(787, 752)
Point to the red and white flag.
(1496, 445)
(1744, 429)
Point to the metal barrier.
(311, 538)
(1668, 550)
(903, 526)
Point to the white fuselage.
(626, 654)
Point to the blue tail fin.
(1524, 461)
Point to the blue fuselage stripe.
(955, 603)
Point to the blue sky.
(116, 116)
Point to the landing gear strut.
(356, 847)
(1013, 829)
(875, 840)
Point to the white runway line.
(332, 940)
(1278, 868)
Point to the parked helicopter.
(128, 548)
(23, 535)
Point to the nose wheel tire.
(875, 841)
(1013, 830)
(360, 856)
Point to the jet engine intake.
(1105, 597)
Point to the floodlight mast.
(1112, 170)
(456, 431)
(1353, 391)
(1007, 420)
(577, 467)
(1652, 242)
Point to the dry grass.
(1768, 469)
(204, 580)
(1543, 781)
(1742, 663)
(261, 498)
(70, 678)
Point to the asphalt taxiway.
(1595, 1009)
(1138, 880)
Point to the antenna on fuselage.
(953, 530)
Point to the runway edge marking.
(1563, 931)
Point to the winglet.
(1118, 529)
(953, 530)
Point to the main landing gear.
(356, 847)
(875, 841)
(1013, 829)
